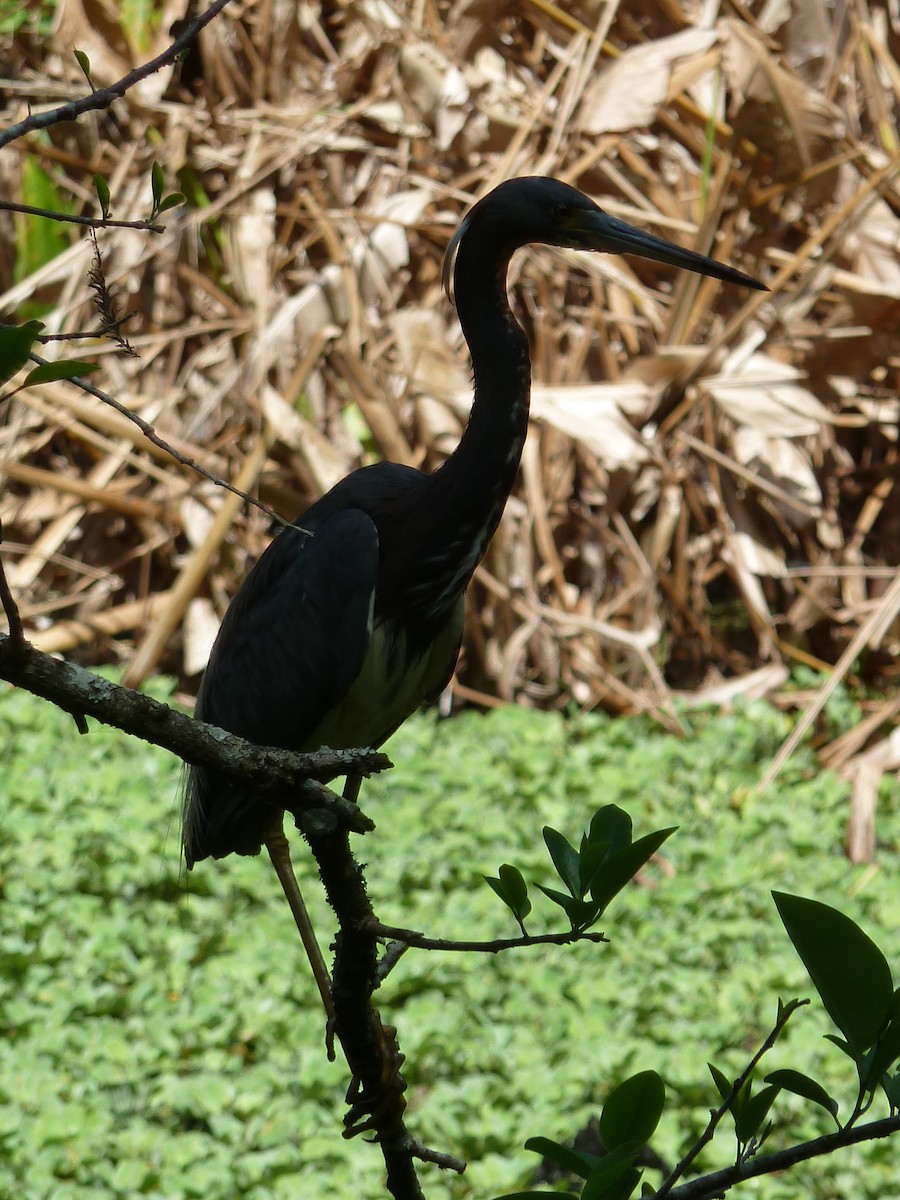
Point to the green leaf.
(882, 1056)
(15, 346)
(754, 1112)
(614, 1178)
(848, 970)
(516, 890)
(85, 63)
(67, 368)
(632, 1111)
(722, 1082)
(557, 897)
(581, 913)
(499, 887)
(619, 869)
(802, 1085)
(612, 825)
(565, 859)
(564, 1156)
(170, 201)
(591, 856)
(157, 183)
(102, 189)
(512, 890)
(841, 1045)
(541, 1195)
(787, 1008)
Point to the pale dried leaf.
(438, 89)
(791, 120)
(425, 357)
(629, 92)
(592, 415)
(782, 462)
(755, 685)
(201, 624)
(196, 518)
(325, 463)
(765, 395)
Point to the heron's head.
(540, 210)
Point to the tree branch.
(411, 937)
(716, 1184)
(376, 1096)
(92, 222)
(103, 97)
(82, 693)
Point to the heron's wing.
(292, 642)
(295, 635)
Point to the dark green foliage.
(606, 861)
(854, 981)
(632, 1111)
(851, 974)
(801, 1085)
(627, 1122)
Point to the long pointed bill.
(600, 231)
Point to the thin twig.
(447, 1162)
(717, 1114)
(152, 436)
(92, 222)
(103, 97)
(88, 334)
(411, 937)
(18, 643)
(716, 1184)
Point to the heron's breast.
(397, 676)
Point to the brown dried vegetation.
(709, 488)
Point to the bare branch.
(16, 630)
(92, 222)
(152, 436)
(411, 937)
(707, 1186)
(103, 97)
(376, 1097)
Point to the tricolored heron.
(347, 625)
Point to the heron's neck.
(459, 507)
(483, 467)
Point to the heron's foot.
(379, 1107)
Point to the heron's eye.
(561, 212)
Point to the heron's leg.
(352, 784)
(277, 845)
